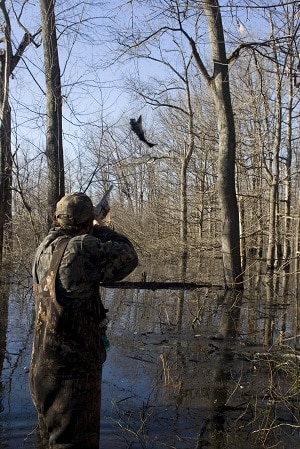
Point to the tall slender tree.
(218, 82)
(54, 145)
(8, 62)
(220, 87)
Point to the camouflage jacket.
(88, 260)
(68, 305)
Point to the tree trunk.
(227, 146)
(188, 151)
(8, 62)
(54, 148)
(272, 251)
(5, 132)
(288, 175)
(5, 151)
(183, 238)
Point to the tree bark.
(219, 84)
(54, 147)
(186, 157)
(287, 244)
(5, 151)
(273, 251)
(5, 131)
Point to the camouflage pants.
(68, 409)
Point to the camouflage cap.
(74, 209)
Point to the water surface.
(228, 378)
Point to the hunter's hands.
(99, 218)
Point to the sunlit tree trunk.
(272, 250)
(183, 229)
(288, 173)
(290, 241)
(220, 87)
(269, 322)
(5, 131)
(54, 147)
(185, 160)
(5, 150)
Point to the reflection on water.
(228, 379)
(17, 417)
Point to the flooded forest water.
(227, 376)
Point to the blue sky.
(93, 88)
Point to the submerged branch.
(153, 285)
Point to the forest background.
(223, 177)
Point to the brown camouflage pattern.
(74, 208)
(67, 356)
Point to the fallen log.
(154, 285)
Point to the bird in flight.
(136, 126)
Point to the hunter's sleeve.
(122, 258)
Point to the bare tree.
(218, 83)
(8, 62)
(291, 56)
(154, 40)
(54, 146)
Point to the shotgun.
(100, 207)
